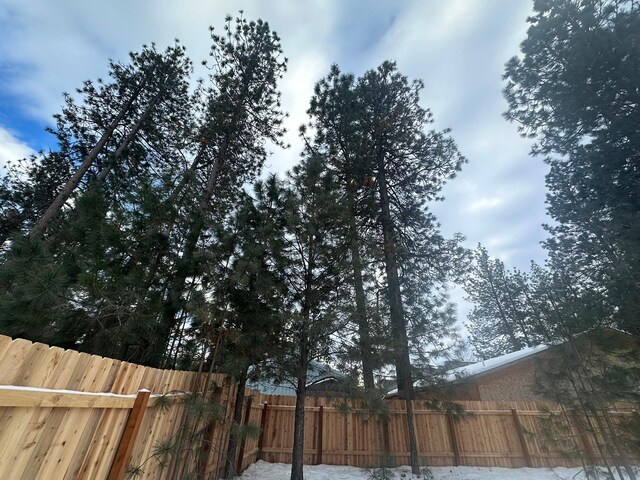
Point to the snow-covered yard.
(280, 471)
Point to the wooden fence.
(50, 429)
(492, 434)
(68, 415)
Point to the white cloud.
(486, 203)
(53, 47)
(11, 148)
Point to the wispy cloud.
(486, 203)
(11, 148)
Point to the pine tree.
(241, 113)
(254, 292)
(574, 89)
(96, 132)
(410, 166)
(315, 270)
(589, 369)
(335, 125)
(344, 131)
(500, 321)
(95, 246)
(148, 81)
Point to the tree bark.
(398, 324)
(230, 462)
(361, 310)
(128, 139)
(297, 456)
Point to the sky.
(457, 47)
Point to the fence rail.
(70, 415)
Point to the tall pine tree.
(575, 89)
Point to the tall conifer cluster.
(140, 238)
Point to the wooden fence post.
(320, 421)
(247, 413)
(263, 426)
(454, 440)
(385, 436)
(523, 440)
(129, 434)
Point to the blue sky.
(457, 47)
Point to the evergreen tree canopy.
(575, 88)
(501, 320)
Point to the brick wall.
(513, 382)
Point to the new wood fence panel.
(364, 443)
(486, 434)
(5, 342)
(486, 440)
(110, 427)
(56, 449)
(18, 423)
(71, 442)
(48, 434)
(25, 432)
(67, 427)
(433, 438)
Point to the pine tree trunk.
(297, 456)
(128, 139)
(230, 462)
(361, 311)
(398, 324)
(173, 302)
(52, 211)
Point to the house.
(322, 381)
(511, 377)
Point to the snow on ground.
(280, 471)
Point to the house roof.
(316, 373)
(492, 363)
(497, 362)
(484, 366)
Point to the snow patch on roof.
(484, 366)
(492, 363)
